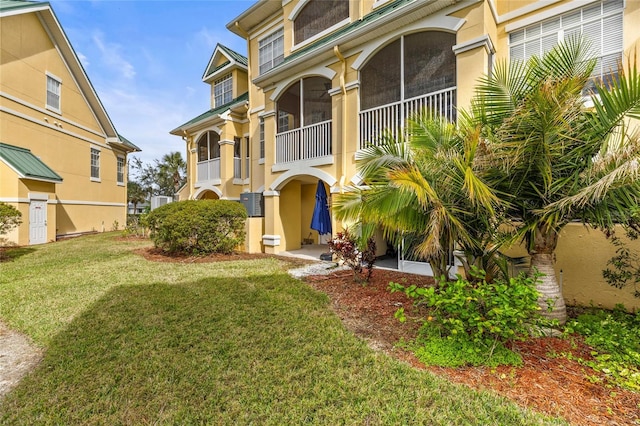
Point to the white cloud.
(83, 59)
(111, 56)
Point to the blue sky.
(146, 59)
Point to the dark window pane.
(429, 63)
(317, 16)
(380, 78)
(317, 102)
(289, 109)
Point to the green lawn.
(135, 342)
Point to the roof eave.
(347, 40)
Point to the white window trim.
(562, 10)
(325, 32)
(46, 102)
(221, 82)
(94, 179)
(551, 13)
(124, 166)
(281, 28)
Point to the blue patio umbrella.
(321, 219)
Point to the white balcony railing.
(304, 143)
(208, 170)
(237, 168)
(391, 117)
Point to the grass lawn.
(130, 341)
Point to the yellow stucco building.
(62, 163)
(326, 77)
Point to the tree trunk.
(550, 294)
(541, 249)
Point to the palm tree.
(425, 189)
(171, 171)
(135, 194)
(557, 159)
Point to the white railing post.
(304, 143)
(391, 117)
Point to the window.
(247, 161)
(237, 163)
(414, 65)
(315, 107)
(95, 164)
(261, 136)
(223, 90)
(271, 51)
(120, 170)
(599, 23)
(209, 146)
(53, 93)
(317, 16)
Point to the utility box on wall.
(254, 203)
(160, 200)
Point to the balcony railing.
(208, 170)
(304, 143)
(391, 117)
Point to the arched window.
(209, 146)
(414, 65)
(314, 108)
(318, 15)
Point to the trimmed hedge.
(198, 226)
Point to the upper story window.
(95, 164)
(53, 93)
(412, 66)
(209, 146)
(271, 50)
(314, 108)
(261, 137)
(120, 171)
(223, 90)
(599, 23)
(317, 16)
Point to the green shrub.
(198, 226)
(10, 217)
(478, 318)
(615, 338)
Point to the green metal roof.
(7, 5)
(214, 111)
(367, 19)
(128, 143)
(231, 54)
(241, 59)
(27, 165)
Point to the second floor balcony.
(208, 170)
(304, 143)
(391, 118)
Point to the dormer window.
(223, 90)
(317, 16)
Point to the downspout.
(343, 128)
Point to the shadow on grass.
(9, 254)
(264, 350)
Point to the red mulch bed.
(545, 382)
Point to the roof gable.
(227, 60)
(212, 113)
(54, 31)
(27, 165)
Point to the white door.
(37, 222)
